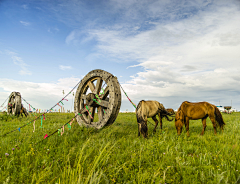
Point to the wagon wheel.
(98, 99)
(14, 103)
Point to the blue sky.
(170, 51)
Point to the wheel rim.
(88, 100)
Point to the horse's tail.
(164, 112)
(218, 117)
(140, 120)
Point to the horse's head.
(143, 129)
(179, 119)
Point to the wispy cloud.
(179, 50)
(70, 37)
(25, 6)
(182, 58)
(78, 37)
(25, 23)
(18, 61)
(62, 67)
(53, 30)
(184, 49)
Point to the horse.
(149, 109)
(23, 111)
(170, 110)
(199, 110)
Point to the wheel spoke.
(82, 111)
(92, 111)
(104, 103)
(106, 92)
(98, 85)
(100, 113)
(91, 85)
(85, 89)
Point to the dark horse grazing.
(200, 110)
(23, 111)
(170, 111)
(149, 109)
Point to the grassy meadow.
(115, 154)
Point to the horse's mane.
(140, 120)
(180, 108)
(139, 105)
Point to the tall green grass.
(115, 154)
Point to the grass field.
(116, 154)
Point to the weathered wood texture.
(14, 103)
(107, 106)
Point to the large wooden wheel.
(97, 99)
(14, 103)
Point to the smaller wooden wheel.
(14, 103)
(98, 99)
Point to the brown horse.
(200, 110)
(149, 109)
(170, 111)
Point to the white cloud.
(70, 37)
(53, 30)
(193, 58)
(41, 95)
(77, 37)
(25, 23)
(18, 61)
(65, 67)
(186, 49)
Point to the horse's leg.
(139, 129)
(186, 122)
(212, 118)
(147, 128)
(160, 120)
(204, 125)
(142, 127)
(156, 123)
